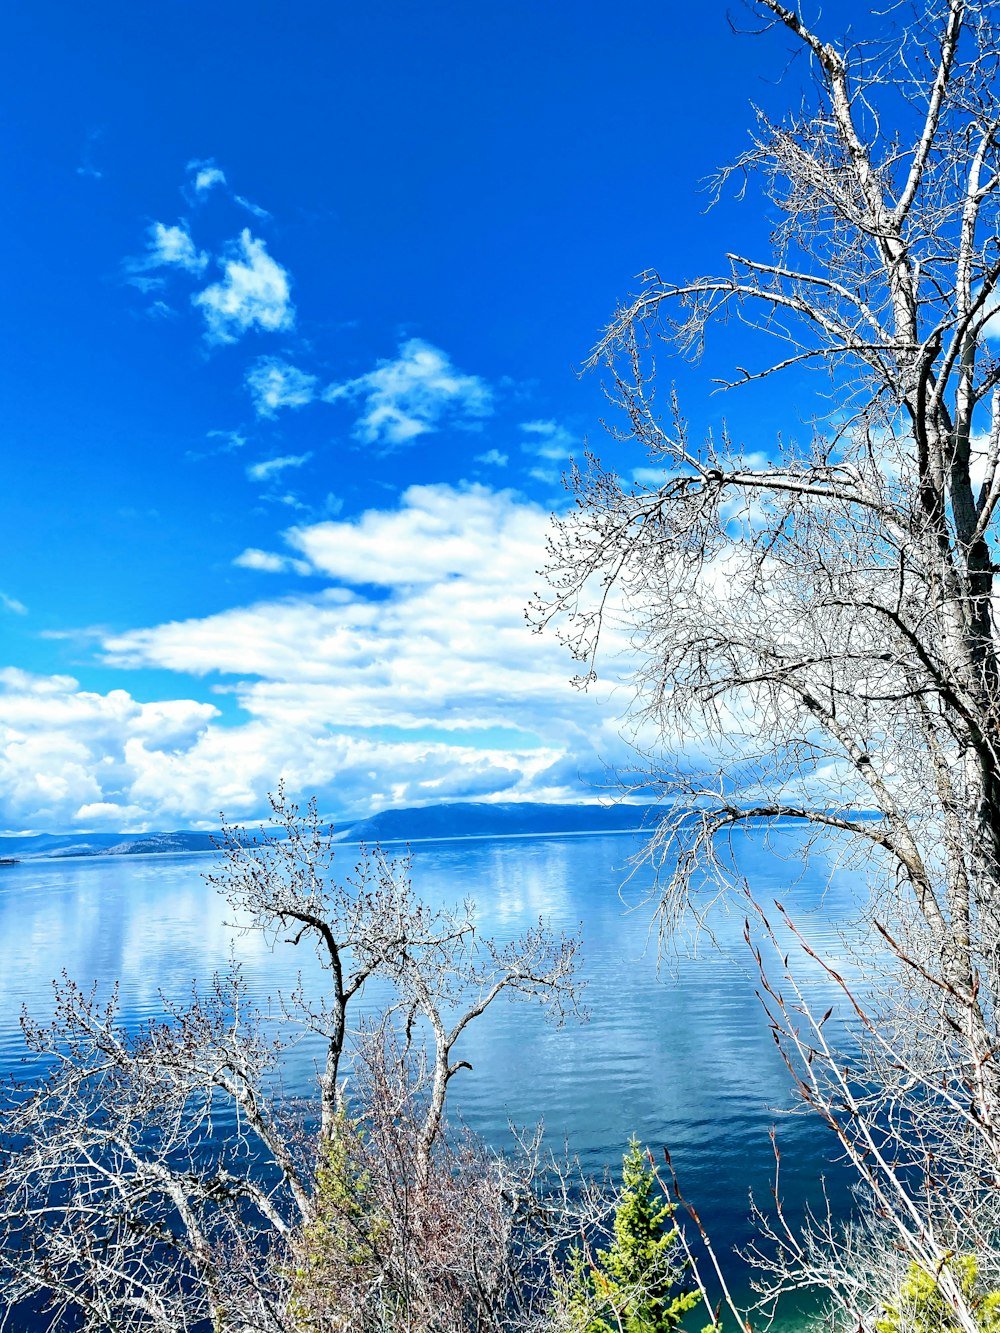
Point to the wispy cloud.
(548, 439)
(12, 605)
(412, 395)
(274, 384)
(222, 442)
(254, 292)
(205, 175)
(251, 207)
(270, 563)
(230, 440)
(492, 458)
(86, 167)
(270, 467)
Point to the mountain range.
(459, 819)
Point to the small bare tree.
(822, 622)
(464, 1240)
(158, 1179)
(146, 1176)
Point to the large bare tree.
(814, 628)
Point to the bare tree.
(146, 1177)
(159, 1178)
(465, 1239)
(819, 627)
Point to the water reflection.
(680, 1056)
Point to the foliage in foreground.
(632, 1285)
(812, 618)
(155, 1177)
(369, 1259)
(156, 1180)
(922, 1306)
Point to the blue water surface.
(678, 1053)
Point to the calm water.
(678, 1055)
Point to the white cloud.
(412, 395)
(270, 467)
(439, 532)
(547, 439)
(206, 175)
(138, 279)
(446, 649)
(991, 326)
(269, 563)
(231, 440)
(11, 604)
(429, 685)
(274, 384)
(650, 476)
(410, 677)
(253, 293)
(251, 207)
(492, 458)
(173, 247)
(64, 752)
(546, 475)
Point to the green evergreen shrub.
(632, 1286)
(336, 1252)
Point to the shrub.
(923, 1307)
(632, 1286)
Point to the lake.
(678, 1054)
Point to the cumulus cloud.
(73, 758)
(254, 293)
(274, 384)
(173, 247)
(439, 532)
(270, 467)
(65, 751)
(409, 677)
(412, 395)
(492, 458)
(11, 604)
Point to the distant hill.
(465, 819)
(460, 819)
(102, 844)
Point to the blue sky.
(296, 298)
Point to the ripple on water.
(678, 1055)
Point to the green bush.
(923, 1308)
(336, 1253)
(632, 1286)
